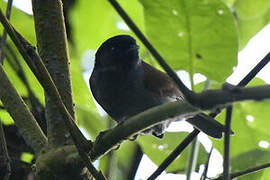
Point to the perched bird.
(124, 85)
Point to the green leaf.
(5, 118)
(122, 160)
(248, 9)
(124, 157)
(246, 137)
(198, 36)
(252, 16)
(90, 120)
(94, 21)
(22, 22)
(266, 174)
(248, 160)
(27, 30)
(249, 131)
(27, 157)
(158, 149)
(81, 92)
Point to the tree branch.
(38, 68)
(247, 79)
(160, 113)
(23, 118)
(214, 98)
(245, 172)
(3, 142)
(107, 140)
(53, 50)
(40, 71)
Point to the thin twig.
(189, 95)
(245, 172)
(4, 36)
(226, 162)
(204, 175)
(247, 78)
(174, 154)
(254, 71)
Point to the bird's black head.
(119, 50)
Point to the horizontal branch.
(214, 98)
(106, 141)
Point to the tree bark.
(53, 49)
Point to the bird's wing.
(160, 83)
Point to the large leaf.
(250, 124)
(246, 138)
(94, 21)
(23, 22)
(5, 117)
(198, 36)
(248, 9)
(158, 149)
(251, 16)
(251, 159)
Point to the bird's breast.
(122, 96)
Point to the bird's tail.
(208, 125)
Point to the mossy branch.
(53, 50)
(38, 68)
(23, 118)
(210, 99)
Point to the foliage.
(196, 36)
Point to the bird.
(124, 85)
